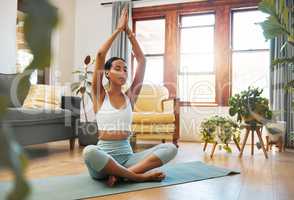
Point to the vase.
(87, 133)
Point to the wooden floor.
(260, 178)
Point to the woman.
(113, 157)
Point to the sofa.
(38, 125)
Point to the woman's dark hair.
(108, 63)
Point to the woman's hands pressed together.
(123, 21)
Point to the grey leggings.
(96, 159)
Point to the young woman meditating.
(113, 156)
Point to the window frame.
(223, 38)
(232, 29)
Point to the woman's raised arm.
(98, 91)
(136, 86)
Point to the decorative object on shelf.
(250, 106)
(220, 130)
(87, 131)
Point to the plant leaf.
(285, 16)
(41, 18)
(89, 83)
(283, 61)
(77, 72)
(74, 86)
(267, 6)
(3, 105)
(78, 90)
(272, 28)
(12, 156)
(289, 85)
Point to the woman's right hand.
(123, 21)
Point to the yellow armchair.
(156, 115)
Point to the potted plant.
(220, 130)
(86, 130)
(277, 25)
(250, 107)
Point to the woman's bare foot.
(154, 176)
(148, 176)
(112, 180)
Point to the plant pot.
(87, 133)
(250, 119)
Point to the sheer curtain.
(280, 75)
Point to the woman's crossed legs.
(132, 167)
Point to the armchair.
(156, 115)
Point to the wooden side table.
(258, 130)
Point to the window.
(151, 36)
(197, 71)
(250, 55)
(23, 54)
(213, 49)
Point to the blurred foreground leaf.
(40, 20)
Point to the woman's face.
(118, 72)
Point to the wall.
(63, 44)
(8, 36)
(93, 26)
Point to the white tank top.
(110, 118)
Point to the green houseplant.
(83, 86)
(86, 130)
(39, 22)
(221, 130)
(250, 107)
(277, 25)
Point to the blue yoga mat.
(82, 186)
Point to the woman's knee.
(94, 157)
(172, 149)
(89, 152)
(166, 152)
